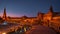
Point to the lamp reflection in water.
(25, 29)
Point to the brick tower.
(4, 14)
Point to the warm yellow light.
(3, 33)
(25, 29)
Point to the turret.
(4, 14)
(50, 10)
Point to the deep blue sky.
(28, 7)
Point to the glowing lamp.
(4, 33)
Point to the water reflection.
(21, 30)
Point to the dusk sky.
(29, 8)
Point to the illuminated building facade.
(50, 18)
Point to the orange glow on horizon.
(11, 15)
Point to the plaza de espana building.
(51, 19)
